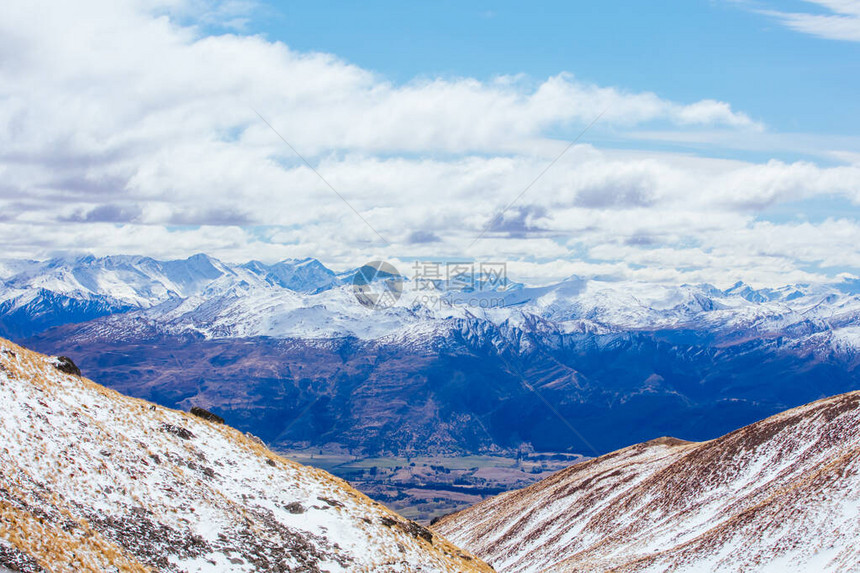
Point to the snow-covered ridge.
(205, 297)
(779, 495)
(144, 282)
(91, 480)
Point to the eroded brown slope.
(782, 493)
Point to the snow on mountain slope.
(144, 282)
(91, 480)
(780, 495)
(126, 296)
(305, 275)
(35, 296)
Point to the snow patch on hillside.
(93, 480)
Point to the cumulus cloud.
(125, 128)
(108, 213)
(417, 237)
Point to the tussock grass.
(64, 541)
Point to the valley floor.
(426, 487)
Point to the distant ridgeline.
(286, 352)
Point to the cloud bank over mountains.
(131, 127)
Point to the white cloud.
(841, 22)
(124, 128)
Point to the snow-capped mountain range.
(91, 480)
(780, 495)
(303, 299)
(36, 295)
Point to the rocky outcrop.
(206, 415)
(65, 364)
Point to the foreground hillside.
(782, 494)
(91, 480)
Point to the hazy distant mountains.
(304, 299)
(39, 295)
(286, 351)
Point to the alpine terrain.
(780, 495)
(286, 352)
(91, 480)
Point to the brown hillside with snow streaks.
(91, 480)
(780, 495)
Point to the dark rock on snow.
(207, 415)
(183, 433)
(65, 364)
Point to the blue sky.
(727, 147)
(681, 49)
